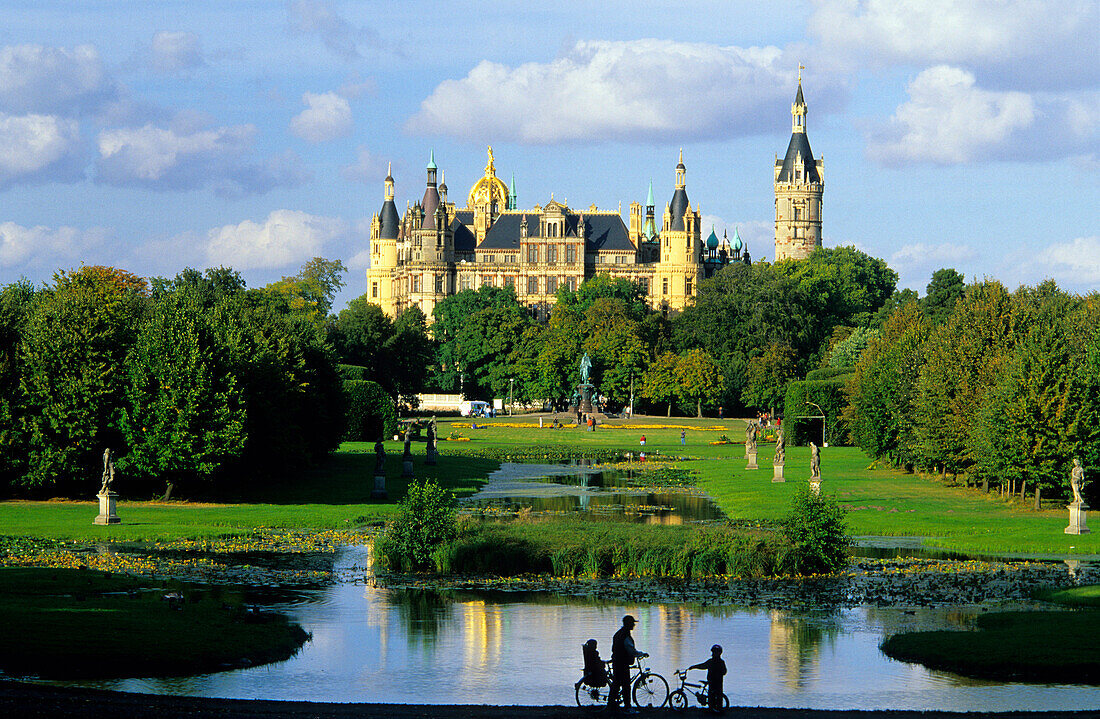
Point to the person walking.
(716, 669)
(623, 654)
(683, 437)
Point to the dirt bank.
(28, 701)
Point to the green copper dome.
(737, 243)
(712, 241)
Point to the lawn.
(880, 501)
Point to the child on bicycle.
(716, 669)
(595, 672)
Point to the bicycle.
(648, 689)
(678, 699)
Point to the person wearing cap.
(716, 669)
(623, 654)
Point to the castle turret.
(384, 230)
(799, 187)
(681, 257)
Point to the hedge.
(829, 372)
(370, 411)
(831, 395)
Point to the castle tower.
(799, 186)
(681, 257)
(382, 275)
(488, 198)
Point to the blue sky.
(159, 135)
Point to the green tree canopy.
(944, 290)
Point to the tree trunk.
(1038, 500)
(669, 414)
(168, 490)
(698, 409)
(985, 484)
(1023, 489)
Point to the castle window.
(571, 254)
(551, 285)
(644, 282)
(510, 281)
(664, 286)
(551, 255)
(439, 284)
(618, 259)
(532, 285)
(687, 286)
(797, 214)
(533, 253)
(374, 290)
(571, 283)
(464, 282)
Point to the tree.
(848, 351)
(884, 388)
(73, 370)
(17, 304)
(944, 290)
(661, 383)
(616, 349)
(700, 379)
(184, 415)
(313, 289)
(767, 377)
(408, 353)
(558, 362)
(604, 286)
(452, 315)
(360, 334)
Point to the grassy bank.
(85, 624)
(607, 548)
(1040, 646)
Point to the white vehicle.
(473, 408)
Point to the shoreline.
(34, 701)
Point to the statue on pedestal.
(815, 462)
(108, 471)
(1077, 482)
(586, 368)
(379, 458)
(750, 438)
(780, 447)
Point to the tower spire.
(798, 109)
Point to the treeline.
(999, 387)
(751, 329)
(190, 379)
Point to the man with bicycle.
(623, 655)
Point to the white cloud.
(20, 246)
(327, 116)
(948, 120)
(186, 156)
(316, 17)
(38, 148)
(36, 78)
(605, 90)
(1074, 263)
(1018, 43)
(171, 52)
(286, 237)
(366, 169)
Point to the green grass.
(1087, 596)
(68, 624)
(1043, 646)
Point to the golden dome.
(489, 188)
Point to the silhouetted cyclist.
(623, 655)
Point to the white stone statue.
(815, 462)
(1077, 482)
(108, 471)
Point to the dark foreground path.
(27, 701)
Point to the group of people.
(623, 656)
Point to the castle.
(437, 249)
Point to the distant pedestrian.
(716, 670)
(683, 437)
(721, 412)
(642, 441)
(623, 654)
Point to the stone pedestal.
(777, 473)
(407, 469)
(815, 486)
(1077, 524)
(752, 461)
(107, 514)
(379, 491)
(430, 457)
(585, 391)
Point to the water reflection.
(570, 488)
(372, 644)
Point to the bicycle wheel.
(678, 700)
(650, 690)
(588, 696)
(725, 702)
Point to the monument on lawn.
(379, 491)
(750, 445)
(584, 389)
(815, 468)
(407, 458)
(432, 454)
(780, 456)
(1077, 508)
(107, 496)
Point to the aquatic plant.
(425, 522)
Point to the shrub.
(352, 372)
(829, 372)
(425, 523)
(370, 411)
(831, 395)
(816, 530)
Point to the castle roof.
(464, 240)
(799, 145)
(390, 221)
(678, 208)
(601, 231)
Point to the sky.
(159, 135)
